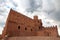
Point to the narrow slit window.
(31, 29)
(39, 27)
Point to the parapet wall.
(33, 38)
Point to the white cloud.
(1, 28)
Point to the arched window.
(25, 28)
(40, 28)
(18, 27)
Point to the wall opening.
(18, 27)
(39, 27)
(25, 28)
(31, 29)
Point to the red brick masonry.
(18, 24)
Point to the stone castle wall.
(21, 25)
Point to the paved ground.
(33, 38)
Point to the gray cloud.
(2, 1)
(53, 10)
(34, 5)
(55, 16)
(2, 24)
(2, 10)
(15, 4)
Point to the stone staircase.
(33, 38)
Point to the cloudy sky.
(47, 10)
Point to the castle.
(18, 25)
